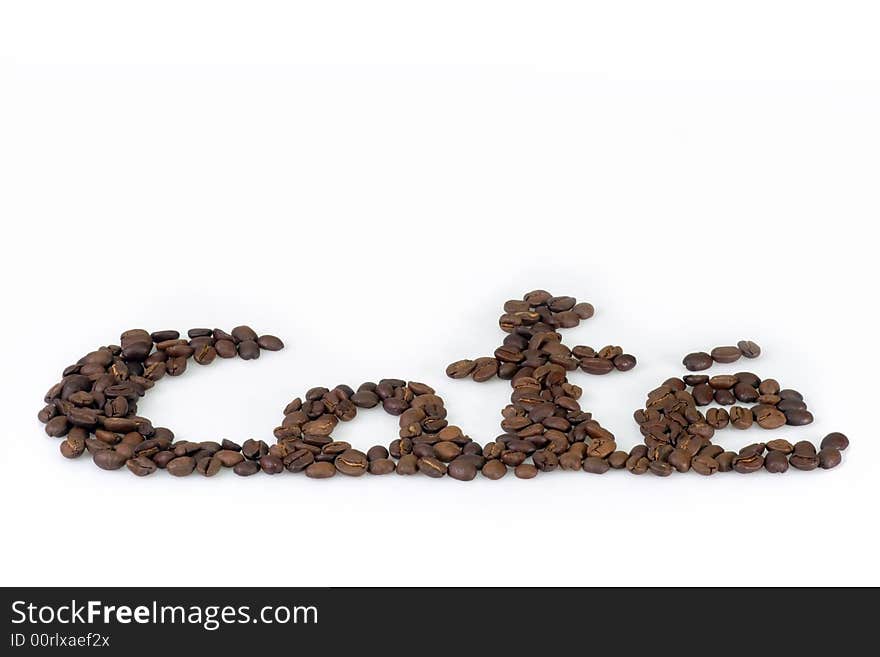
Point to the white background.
(370, 181)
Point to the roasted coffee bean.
(725, 461)
(704, 464)
(352, 462)
(228, 458)
(109, 459)
(246, 468)
(723, 381)
(431, 466)
(660, 468)
(494, 469)
(225, 349)
(717, 418)
(835, 440)
(741, 418)
(381, 466)
(254, 449)
(769, 387)
(726, 354)
(181, 466)
(703, 394)
(140, 466)
(270, 343)
(776, 461)
(73, 446)
(248, 350)
(697, 361)
(525, 471)
(748, 348)
(595, 465)
(271, 464)
(798, 417)
(680, 460)
(625, 362)
(745, 393)
(768, 417)
(596, 365)
(617, 460)
(780, 445)
(787, 405)
(462, 468)
(208, 466)
(803, 456)
(829, 457)
(321, 470)
(485, 369)
(447, 451)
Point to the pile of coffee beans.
(544, 426)
(94, 409)
(678, 435)
(94, 405)
(426, 442)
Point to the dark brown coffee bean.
(270, 343)
(745, 393)
(432, 467)
(776, 461)
(596, 465)
(163, 458)
(741, 418)
(494, 469)
(270, 464)
(242, 333)
(726, 354)
(321, 470)
(769, 387)
(723, 381)
(724, 397)
(695, 379)
(228, 458)
(625, 362)
(525, 471)
(835, 440)
(703, 394)
(596, 366)
(748, 463)
(462, 469)
(545, 460)
(254, 449)
(381, 466)
(780, 445)
(225, 348)
(72, 447)
(697, 361)
(248, 350)
(660, 468)
(717, 418)
(208, 466)
(485, 369)
(829, 457)
(205, 355)
(246, 468)
(704, 464)
(617, 460)
(798, 418)
(748, 348)
(181, 466)
(57, 427)
(679, 459)
(768, 417)
(352, 462)
(447, 451)
(141, 466)
(725, 461)
(109, 459)
(787, 405)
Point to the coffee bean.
(748, 348)
(835, 440)
(525, 471)
(660, 468)
(209, 465)
(181, 466)
(595, 465)
(408, 464)
(625, 362)
(109, 459)
(776, 461)
(769, 387)
(72, 447)
(741, 418)
(141, 466)
(829, 457)
(494, 469)
(725, 461)
(726, 354)
(352, 462)
(381, 466)
(780, 445)
(270, 343)
(462, 469)
(431, 466)
(680, 460)
(768, 417)
(798, 417)
(321, 470)
(697, 361)
(596, 365)
(270, 464)
(704, 464)
(246, 468)
(248, 350)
